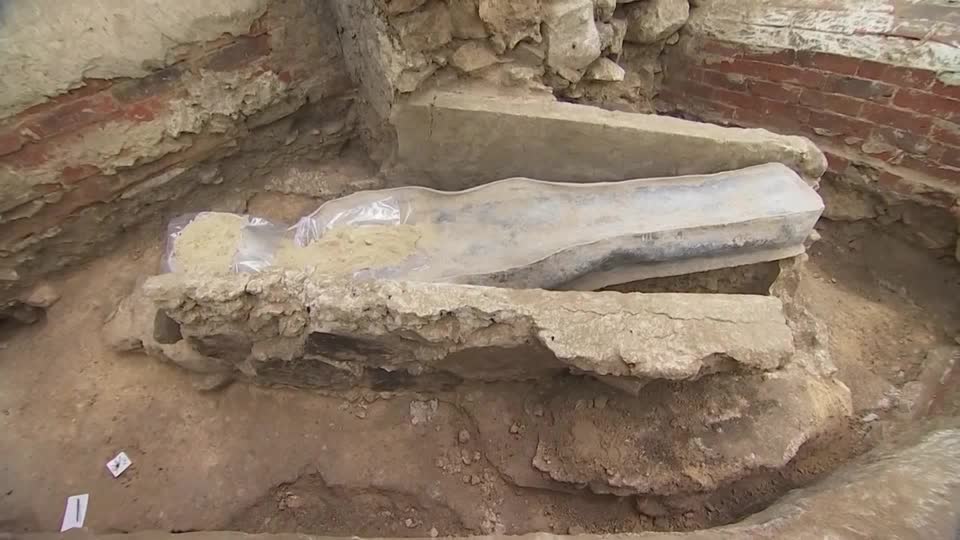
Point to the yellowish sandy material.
(208, 243)
(347, 249)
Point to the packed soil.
(215, 241)
(347, 249)
(208, 243)
(377, 464)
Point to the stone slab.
(455, 141)
(295, 321)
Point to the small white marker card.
(75, 513)
(117, 465)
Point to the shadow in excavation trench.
(747, 279)
(19, 316)
(309, 505)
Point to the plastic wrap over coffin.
(525, 233)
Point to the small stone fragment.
(410, 79)
(434, 532)
(212, 382)
(422, 412)
(42, 296)
(872, 417)
(538, 410)
(476, 456)
(606, 35)
(619, 34)
(293, 501)
(491, 523)
(873, 146)
(465, 457)
(472, 56)
(511, 21)
(463, 437)
(654, 20)
(410, 523)
(514, 428)
(528, 54)
(475, 480)
(673, 39)
(9, 274)
(605, 9)
(425, 30)
(650, 506)
(403, 6)
(605, 69)
(466, 21)
(573, 41)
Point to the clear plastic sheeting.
(258, 243)
(529, 233)
(364, 208)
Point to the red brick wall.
(902, 122)
(41, 137)
(79, 169)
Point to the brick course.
(903, 116)
(77, 170)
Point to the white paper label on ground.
(75, 513)
(117, 465)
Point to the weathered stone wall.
(875, 86)
(603, 52)
(116, 109)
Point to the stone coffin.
(315, 331)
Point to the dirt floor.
(271, 459)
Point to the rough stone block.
(655, 20)
(573, 42)
(465, 17)
(426, 29)
(511, 21)
(605, 69)
(456, 141)
(473, 55)
(349, 331)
